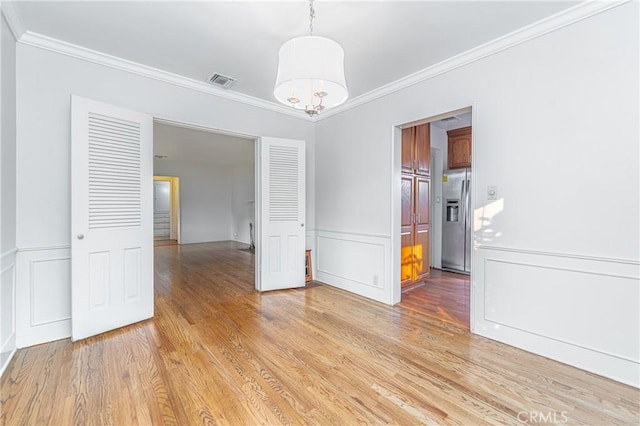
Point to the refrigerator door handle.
(468, 204)
(463, 213)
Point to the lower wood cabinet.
(415, 229)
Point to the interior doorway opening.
(166, 210)
(436, 213)
(204, 187)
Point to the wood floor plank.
(217, 352)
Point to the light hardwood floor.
(442, 295)
(217, 352)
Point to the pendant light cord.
(312, 14)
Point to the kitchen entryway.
(436, 217)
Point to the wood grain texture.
(442, 295)
(217, 352)
(459, 148)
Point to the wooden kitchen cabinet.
(459, 150)
(415, 229)
(406, 231)
(416, 149)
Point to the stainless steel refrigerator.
(456, 220)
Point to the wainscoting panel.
(365, 269)
(7, 308)
(50, 281)
(579, 310)
(44, 295)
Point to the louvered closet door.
(111, 217)
(281, 247)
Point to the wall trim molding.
(576, 340)
(546, 335)
(358, 234)
(342, 237)
(564, 255)
(43, 248)
(14, 19)
(30, 38)
(8, 359)
(532, 31)
(537, 29)
(350, 276)
(9, 253)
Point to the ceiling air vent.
(448, 119)
(221, 80)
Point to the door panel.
(422, 253)
(422, 239)
(423, 193)
(408, 149)
(423, 149)
(281, 189)
(111, 217)
(406, 231)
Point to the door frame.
(257, 206)
(396, 197)
(174, 203)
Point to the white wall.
(440, 140)
(436, 208)
(439, 146)
(45, 83)
(242, 203)
(556, 267)
(205, 199)
(7, 194)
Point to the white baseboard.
(7, 307)
(582, 311)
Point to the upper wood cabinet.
(459, 150)
(416, 149)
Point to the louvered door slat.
(283, 189)
(114, 173)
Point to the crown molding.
(537, 29)
(14, 19)
(47, 43)
(555, 22)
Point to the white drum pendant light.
(311, 72)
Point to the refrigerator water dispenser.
(452, 210)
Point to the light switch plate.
(492, 192)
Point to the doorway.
(166, 210)
(210, 176)
(112, 211)
(435, 230)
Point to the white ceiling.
(383, 40)
(191, 145)
(461, 120)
